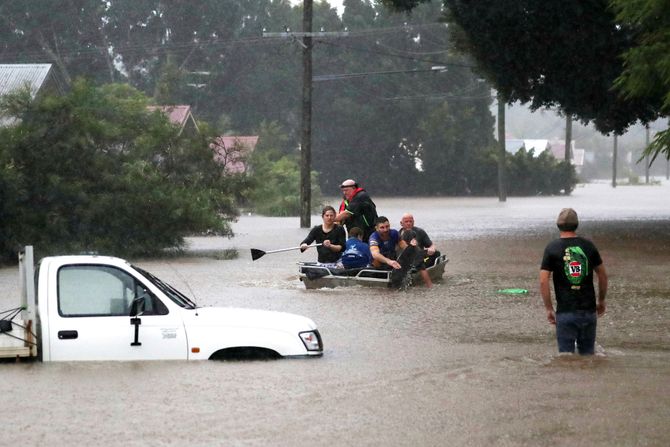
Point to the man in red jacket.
(357, 209)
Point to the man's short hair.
(381, 219)
(407, 235)
(567, 220)
(355, 232)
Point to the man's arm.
(546, 296)
(381, 259)
(428, 244)
(602, 289)
(341, 217)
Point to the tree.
(646, 62)
(275, 175)
(454, 137)
(69, 35)
(93, 170)
(566, 54)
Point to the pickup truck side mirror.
(138, 305)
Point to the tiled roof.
(179, 115)
(230, 151)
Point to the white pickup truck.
(103, 308)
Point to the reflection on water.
(459, 364)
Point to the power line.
(412, 58)
(335, 77)
(76, 51)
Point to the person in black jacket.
(357, 209)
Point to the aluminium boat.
(316, 276)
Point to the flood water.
(459, 364)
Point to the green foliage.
(94, 171)
(530, 175)
(566, 54)
(274, 183)
(209, 54)
(455, 137)
(646, 70)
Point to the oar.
(256, 253)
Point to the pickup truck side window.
(95, 290)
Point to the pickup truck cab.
(103, 308)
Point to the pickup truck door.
(93, 318)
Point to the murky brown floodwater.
(455, 365)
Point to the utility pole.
(306, 140)
(306, 127)
(568, 137)
(646, 157)
(568, 148)
(614, 160)
(502, 184)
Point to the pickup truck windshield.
(175, 295)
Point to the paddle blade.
(256, 253)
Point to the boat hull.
(316, 277)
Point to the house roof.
(514, 145)
(578, 155)
(231, 150)
(17, 76)
(178, 115)
(539, 145)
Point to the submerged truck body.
(90, 307)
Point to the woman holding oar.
(329, 237)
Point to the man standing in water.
(427, 254)
(572, 260)
(357, 209)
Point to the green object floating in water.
(513, 291)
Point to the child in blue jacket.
(356, 253)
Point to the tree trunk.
(614, 160)
(646, 157)
(502, 181)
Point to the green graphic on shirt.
(575, 265)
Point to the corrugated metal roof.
(16, 76)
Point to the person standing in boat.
(357, 209)
(572, 261)
(384, 245)
(427, 252)
(331, 236)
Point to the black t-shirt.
(422, 239)
(335, 236)
(571, 262)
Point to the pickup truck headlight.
(312, 340)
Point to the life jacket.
(345, 202)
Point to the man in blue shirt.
(384, 244)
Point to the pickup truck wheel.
(245, 353)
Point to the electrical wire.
(10, 314)
(399, 56)
(19, 338)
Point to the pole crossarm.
(291, 34)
